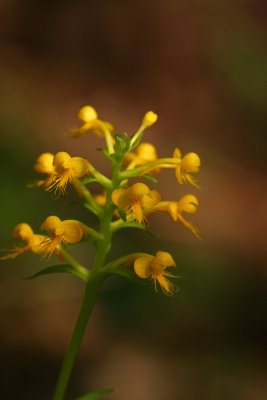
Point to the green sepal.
(125, 272)
(60, 268)
(88, 180)
(150, 178)
(96, 395)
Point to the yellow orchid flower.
(25, 233)
(190, 162)
(44, 165)
(188, 204)
(66, 168)
(91, 123)
(155, 268)
(68, 232)
(135, 198)
(144, 153)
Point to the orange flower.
(25, 233)
(135, 198)
(68, 231)
(155, 268)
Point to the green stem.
(92, 232)
(122, 260)
(79, 268)
(161, 162)
(97, 275)
(92, 288)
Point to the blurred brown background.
(201, 65)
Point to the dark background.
(201, 65)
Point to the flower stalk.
(120, 205)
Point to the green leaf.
(150, 178)
(136, 225)
(96, 395)
(127, 273)
(60, 268)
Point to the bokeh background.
(201, 65)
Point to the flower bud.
(87, 114)
(149, 119)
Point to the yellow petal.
(72, 231)
(188, 203)
(177, 153)
(44, 164)
(165, 259)
(141, 266)
(79, 166)
(190, 162)
(150, 199)
(51, 224)
(61, 161)
(120, 197)
(23, 231)
(138, 191)
(37, 244)
(147, 153)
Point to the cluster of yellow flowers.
(126, 204)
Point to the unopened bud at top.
(87, 114)
(149, 119)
